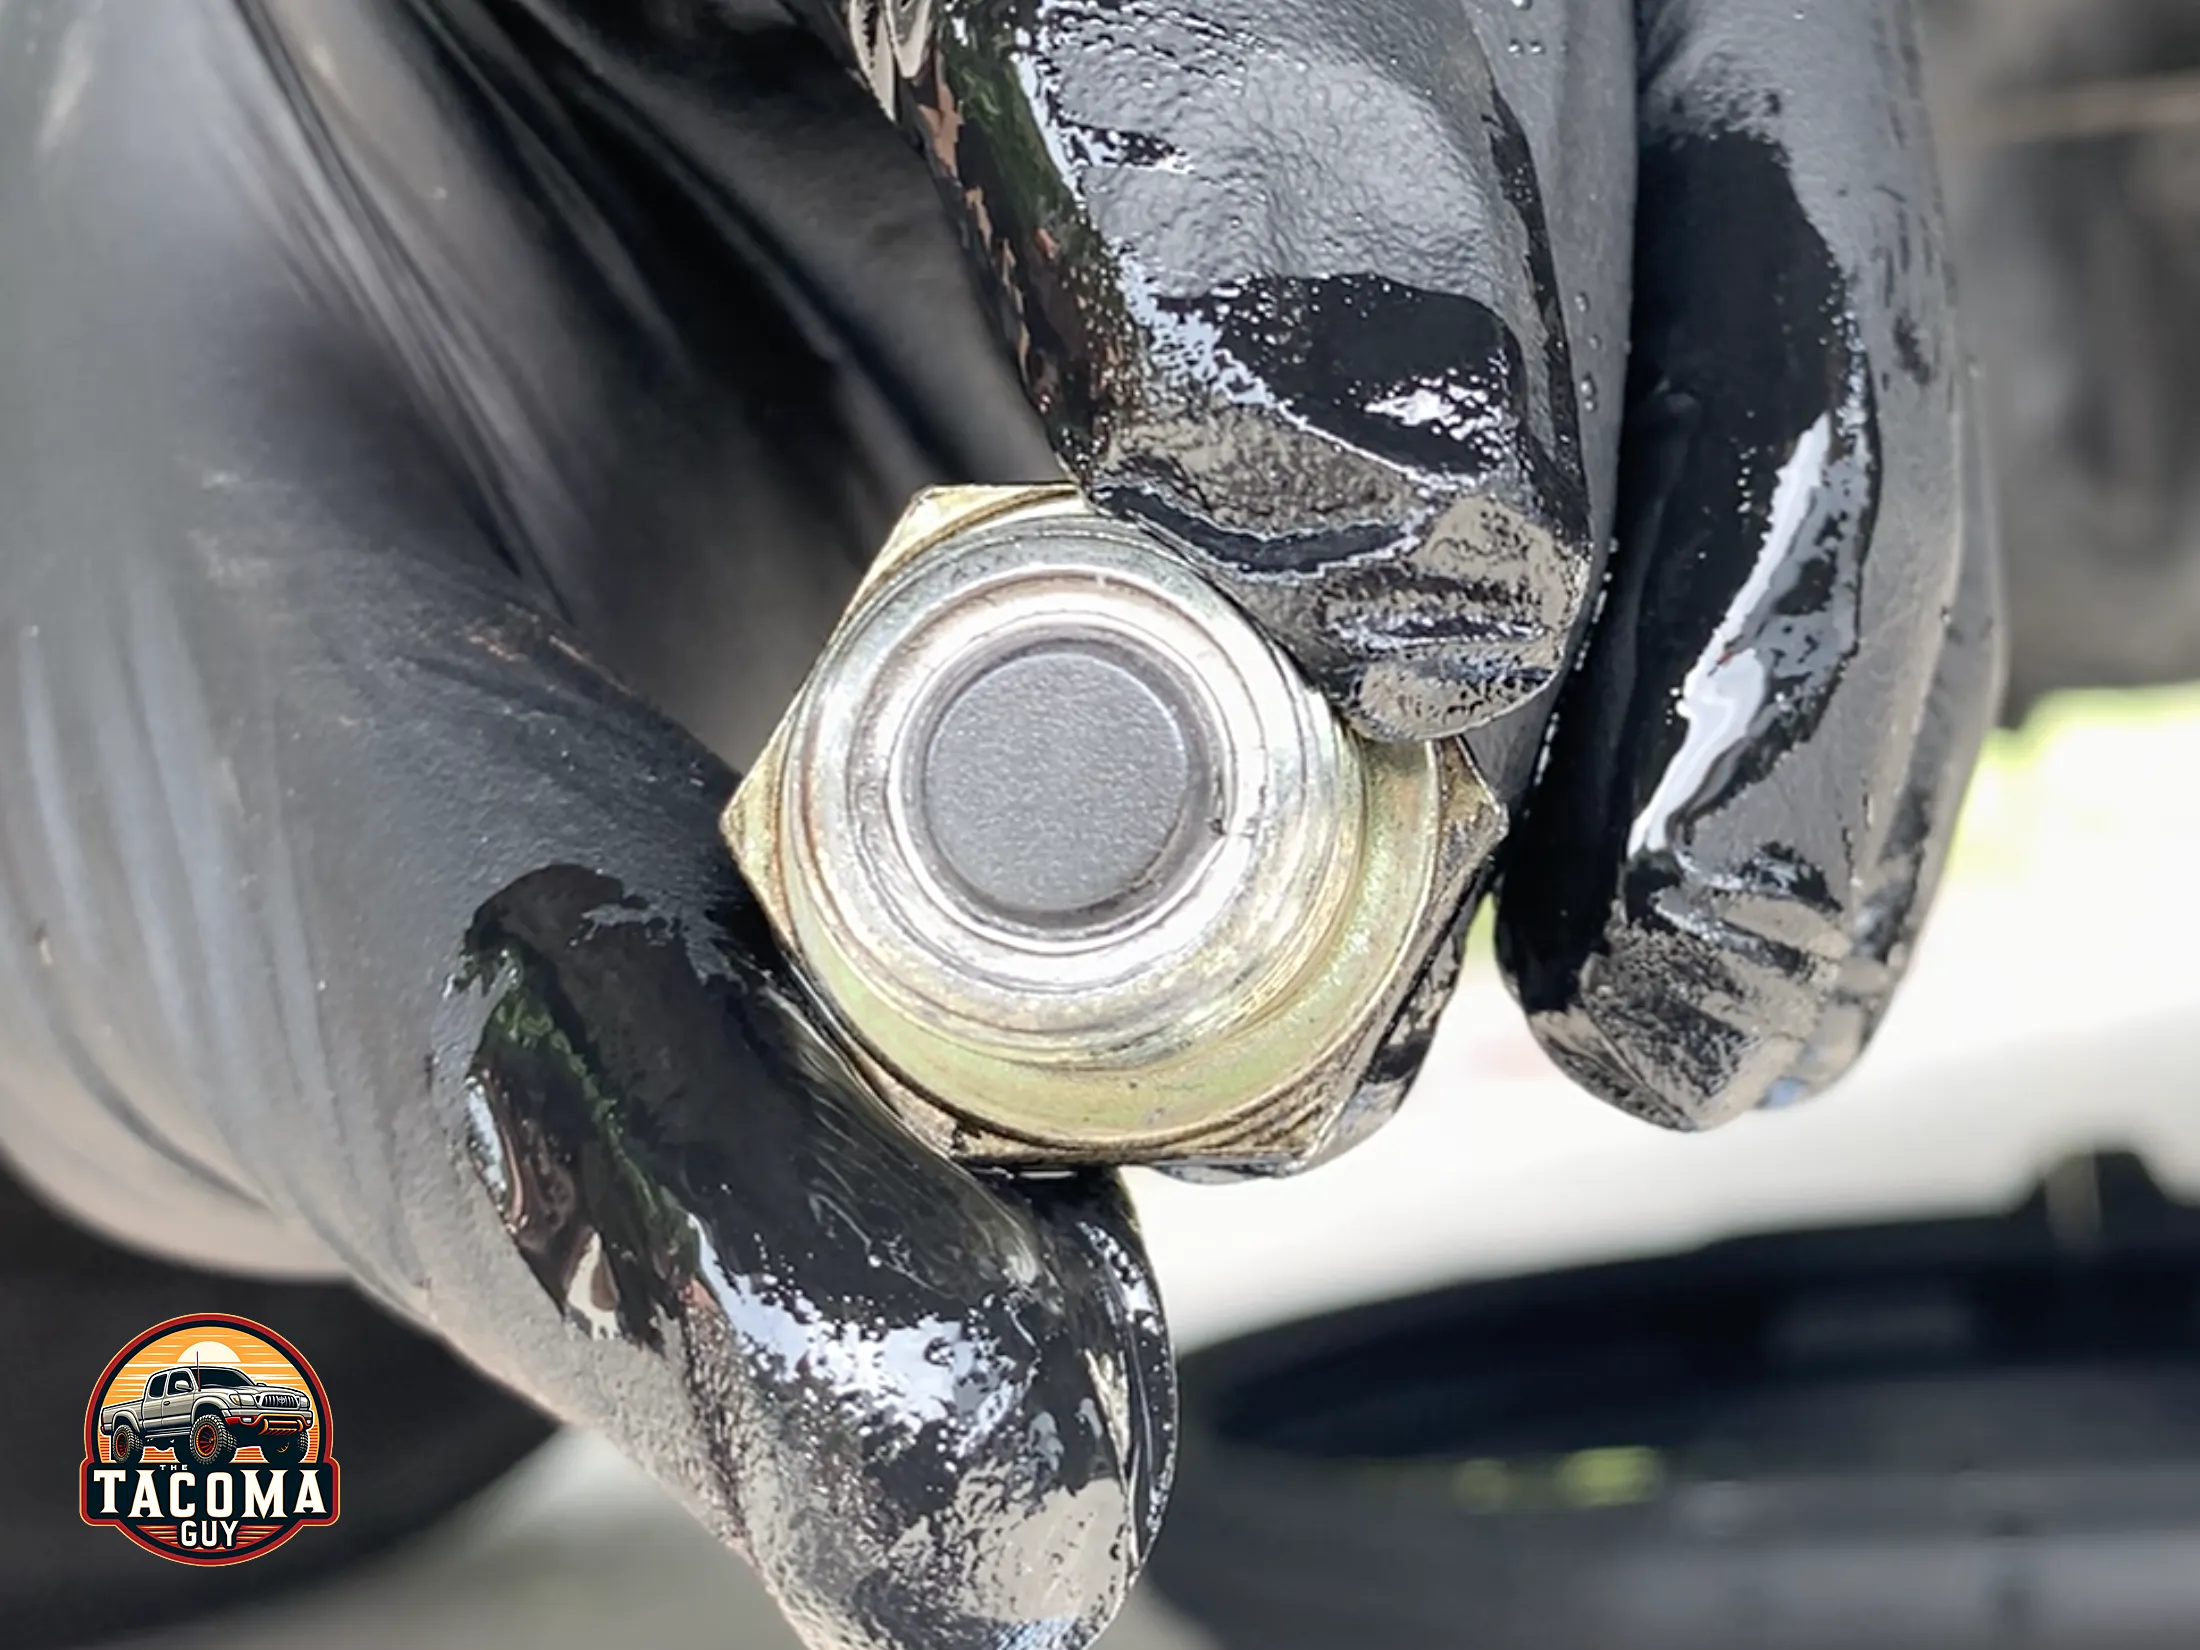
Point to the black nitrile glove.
(383, 386)
(1339, 298)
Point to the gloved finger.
(1299, 286)
(1756, 771)
(340, 893)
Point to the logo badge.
(208, 1440)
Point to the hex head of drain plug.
(1083, 871)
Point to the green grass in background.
(2097, 791)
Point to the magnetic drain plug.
(1078, 865)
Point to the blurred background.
(1959, 1404)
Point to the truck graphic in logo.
(208, 1441)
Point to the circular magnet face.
(1049, 796)
(1064, 782)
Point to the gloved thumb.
(353, 922)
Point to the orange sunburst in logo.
(208, 1440)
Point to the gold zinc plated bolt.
(1082, 869)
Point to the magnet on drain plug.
(1081, 868)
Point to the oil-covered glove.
(360, 390)
(1755, 773)
(1339, 299)
(428, 433)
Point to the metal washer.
(1252, 819)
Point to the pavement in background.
(575, 1551)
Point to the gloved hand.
(429, 433)
(1339, 298)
